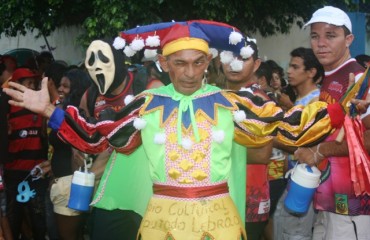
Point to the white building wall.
(277, 47)
(63, 40)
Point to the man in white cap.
(343, 206)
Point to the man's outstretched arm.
(116, 129)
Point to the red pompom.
(336, 114)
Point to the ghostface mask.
(105, 66)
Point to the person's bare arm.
(366, 122)
(260, 155)
(100, 163)
(35, 101)
(335, 148)
(283, 147)
(314, 155)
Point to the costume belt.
(190, 192)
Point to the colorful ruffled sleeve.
(113, 129)
(258, 119)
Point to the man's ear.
(312, 72)
(209, 57)
(349, 39)
(209, 60)
(256, 65)
(163, 62)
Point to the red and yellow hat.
(170, 37)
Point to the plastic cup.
(82, 189)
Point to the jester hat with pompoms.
(203, 35)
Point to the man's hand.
(78, 159)
(361, 105)
(46, 168)
(310, 156)
(35, 101)
(285, 102)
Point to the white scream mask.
(99, 62)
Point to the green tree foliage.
(18, 16)
(105, 18)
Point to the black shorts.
(114, 224)
(255, 230)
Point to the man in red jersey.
(343, 214)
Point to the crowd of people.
(192, 143)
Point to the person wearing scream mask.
(343, 210)
(113, 83)
(186, 130)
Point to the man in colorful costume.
(187, 129)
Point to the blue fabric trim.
(201, 103)
(56, 119)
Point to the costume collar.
(205, 100)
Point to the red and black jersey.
(27, 139)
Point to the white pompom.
(119, 43)
(139, 123)
(159, 138)
(235, 38)
(244, 89)
(239, 116)
(187, 143)
(129, 52)
(152, 41)
(218, 136)
(150, 53)
(129, 99)
(214, 52)
(252, 40)
(236, 65)
(226, 57)
(246, 52)
(137, 44)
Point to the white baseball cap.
(331, 15)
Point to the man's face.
(245, 75)
(100, 64)
(330, 44)
(186, 69)
(296, 72)
(28, 83)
